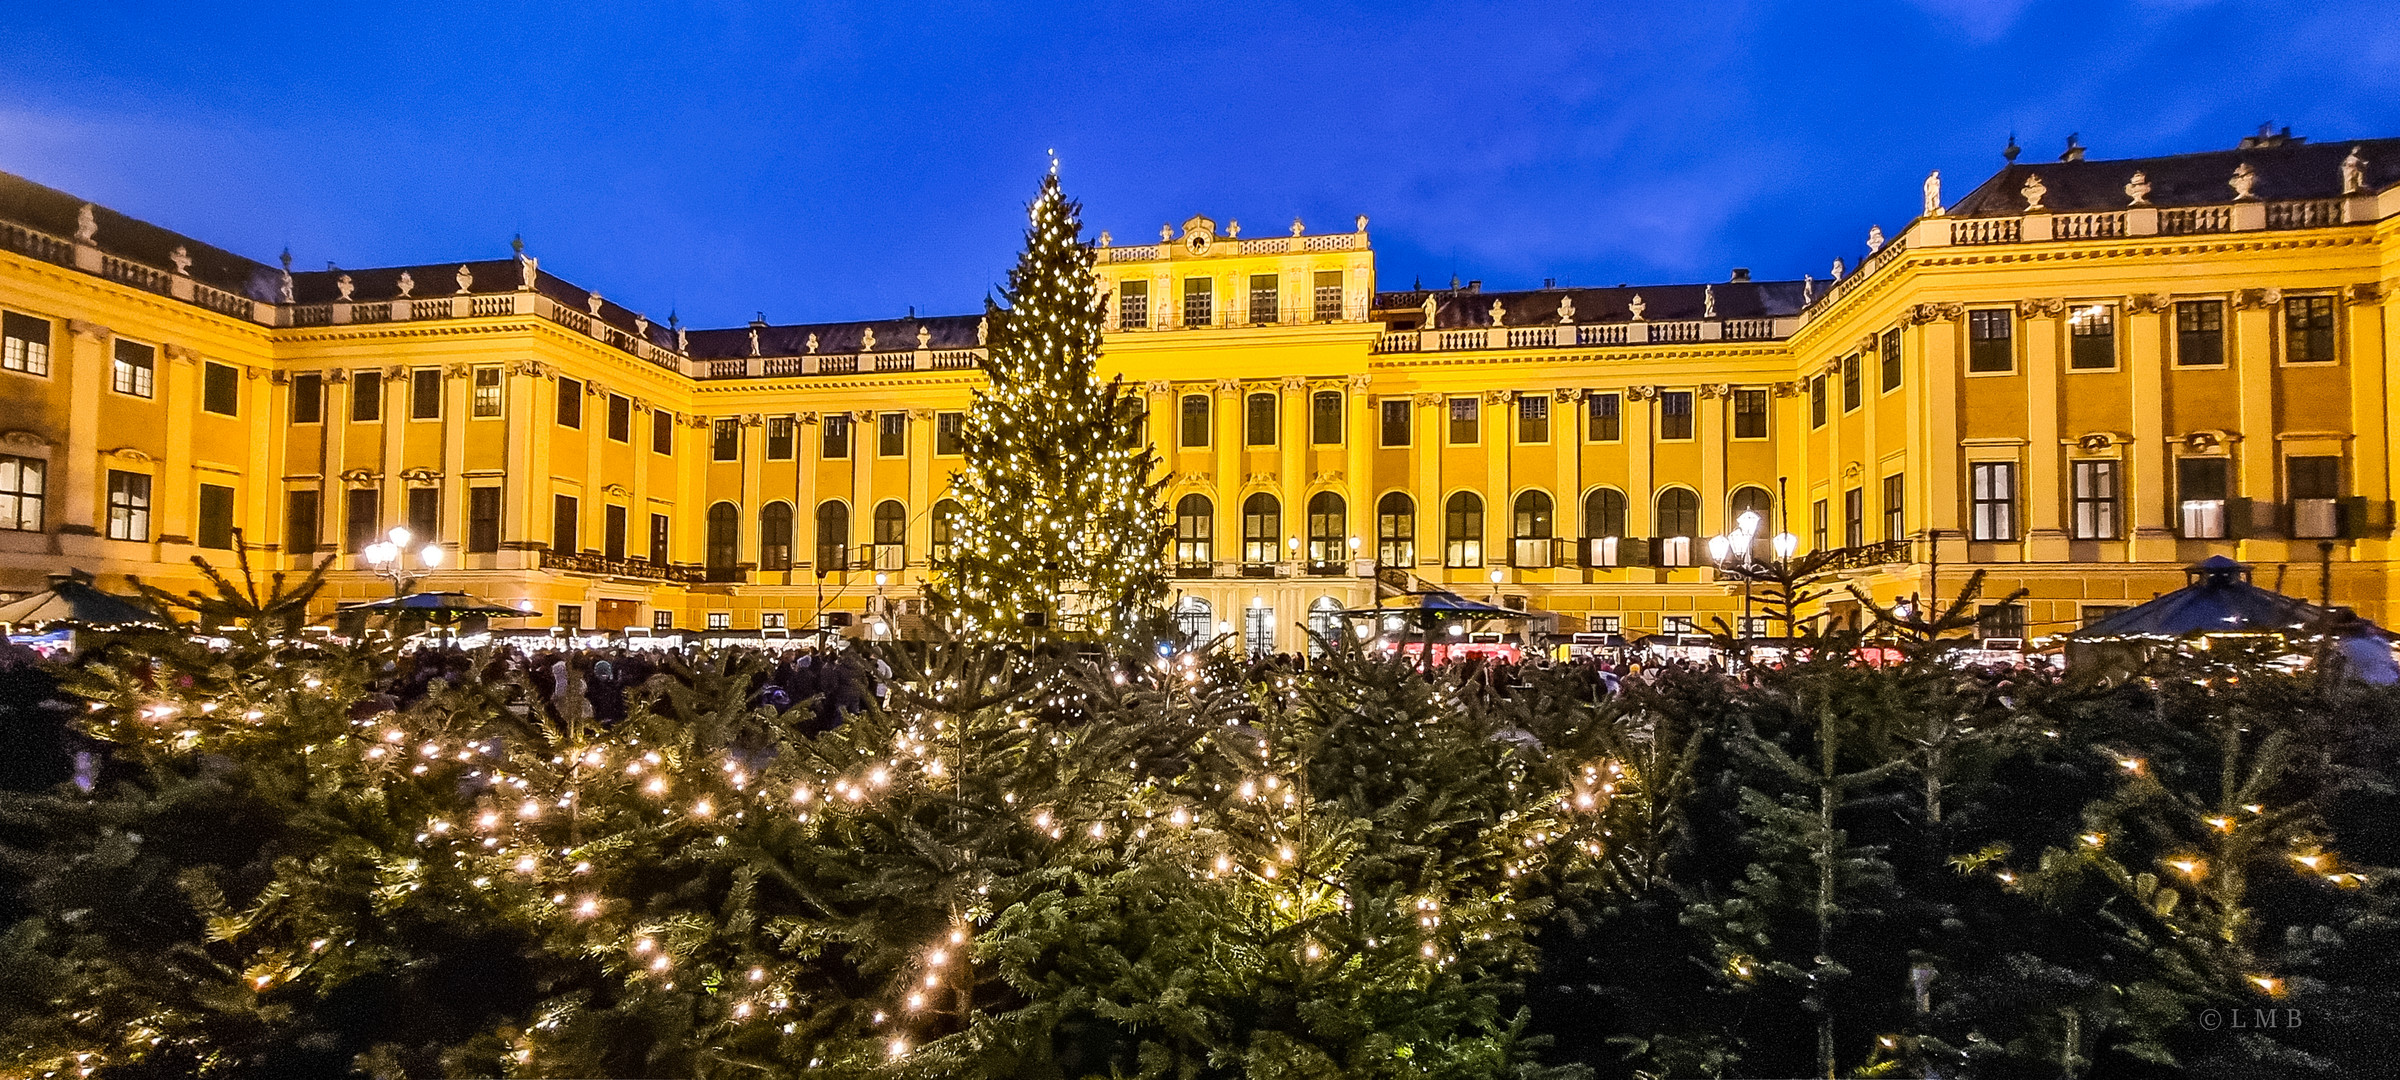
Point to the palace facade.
(2079, 378)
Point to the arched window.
(1262, 530)
(775, 537)
(1678, 522)
(1396, 531)
(1751, 499)
(724, 542)
(1324, 624)
(1194, 618)
(833, 537)
(1530, 531)
(945, 518)
(891, 535)
(1195, 522)
(1328, 544)
(1462, 530)
(1603, 526)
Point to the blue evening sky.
(846, 160)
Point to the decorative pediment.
(2099, 442)
(129, 453)
(22, 441)
(421, 476)
(618, 490)
(358, 476)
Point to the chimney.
(1741, 273)
(1475, 286)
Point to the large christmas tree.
(1058, 527)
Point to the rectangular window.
(950, 434)
(1398, 421)
(1993, 500)
(620, 418)
(662, 620)
(1854, 517)
(2095, 500)
(1265, 293)
(214, 517)
(364, 524)
(771, 620)
(2200, 333)
(570, 617)
(2308, 329)
(2315, 486)
(1607, 417)
(1195, 422)
(1816, 402)
(612, 533)
(1890, 350)
(425, 513)
(1749, 414)
(570, 403)
(1325, 418)
(308, 398)
(1533, 419)
(21, 493)
(658, 539)
(366, 396)
(1675, 415)
(1991, 340)
(1133, 304)
(1852, 393)
(1895, 495)
(720, 620)
(833, 430)
(128, 505)
(483, 519)
(2092, 338)
(1329, 296)
(486, 402)
(220, 388)
(1818, 523)
(134, 368)
(1258, 421)
(782, 437)
(891, 436)
(2003, 621)
(2201, 493)
(302, 522)
(24, 343)
(662, 432)
(1199, 301)
(725, 443)
(564, 536)
(1466, 421)
(1676, 624)
(425, 394)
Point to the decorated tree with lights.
(1058, 526)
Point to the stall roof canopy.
(1441, 602)
(2219, 600)
(71, 599)
(437, 606)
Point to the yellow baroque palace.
(2079, 378)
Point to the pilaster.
(1227, 415)
(1427, 437)
(87, 374)
(2148, 320)
(2045, 534)
(2253, 362)
(176, 486)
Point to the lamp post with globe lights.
(1736, 553)
(388, 558)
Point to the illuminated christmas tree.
(1058, 526)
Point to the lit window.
(134, 369)
(128, 505)
(21, 493)
(487, 393)
(24, 344)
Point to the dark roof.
(1458, 308)
(837, 338)
(383, 282)
(2289, 169)
(2219, 600)
(58, 213)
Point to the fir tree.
(1058, 526)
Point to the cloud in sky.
(848, 160)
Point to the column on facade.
(2147, 323)
(533, 409)
(394, 427)
(591, 519)
(692, 454)
(1293, 471)
(637, 501)
(1566, 447)
(458, 406)
(1715, 495)
(1936, 486)
(753, 507)
(333, 493)
(1641, 450)
(176, 483)
(1500, 500)
(2045, 506)
(864, 441)
(923, 490)
(807, 458)
(1228, 418)
(1427, 439)
(2370, 403)
(1871, 449)
(2254, 373)
(87, 370)
(1358, 487)
(264, 482)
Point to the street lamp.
(1735, 553)
(386, 558)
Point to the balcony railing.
(592, 562)
(1574, 335)
(1868, 556)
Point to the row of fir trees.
(1049, 848)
